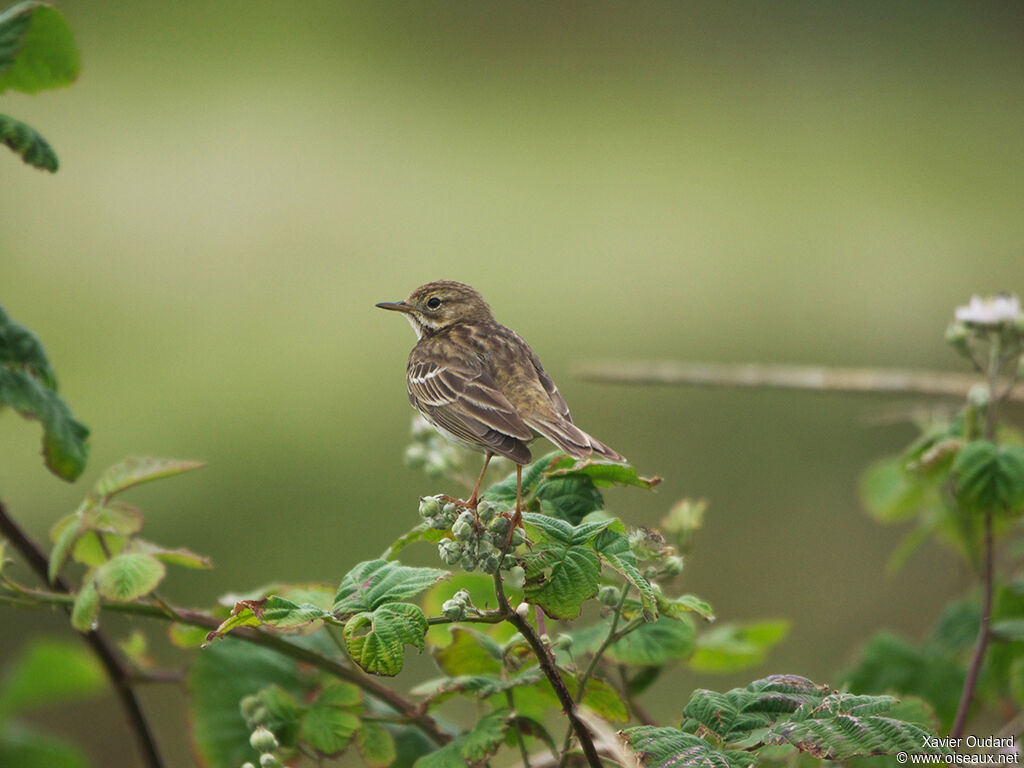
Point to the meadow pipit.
(481, 385)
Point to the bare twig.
(121, 677)
(821, 378)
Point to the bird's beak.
(397, 306)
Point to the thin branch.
(410, 711)
(550, 670)
(523, 752)
(120, 676)
(984, 635)
(821, 378)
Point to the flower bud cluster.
(431, 452)
(262, 739)
(440, 514)
(477, 541)
(650, 546)
(993, 323)
(455, 608)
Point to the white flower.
(992, 310)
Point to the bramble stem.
(550, 670)
(984, 635)
(409, 711)
(121, 677)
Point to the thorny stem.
(409, 711)
(610, 638)
(119, 674)
(988, 556)
(547, 665)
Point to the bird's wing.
(462, 399)
(557, 401)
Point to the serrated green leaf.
(328, 729)
(86, 608)
(21, 349)
(845, 736)
(469, 653)
(505, 490)
(605, 701)
(672, 748)
(447, 756)
(680, 607)
(649, 645)
(568, 497)
(373, 583)
(94, 549)
(376, 745)
(344, 695)
(732, 647)
(112, 518)
(486, 736)
(648, 598)
(135, 470)
(28, 144)
(271, 611)
(180, 556)
(990, 477)
(48, 672)
(65, 446)
(603, 474)
(220, 677)
(376, 639)
(281, 713)
(128, 576)
(44, 54)
(561, 577)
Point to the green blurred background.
(241, 182)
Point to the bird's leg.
(474, 499)
(517, 518)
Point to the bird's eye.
(434, 302)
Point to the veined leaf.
(37, 50)
(990, 477)
(28, 144)
(672, 748)
(135, 470)
(476, 686)
(603, 474)
(333, 719)
(374, 583)
(473, 747)
(469, 653)
(128, 576)
(28, 385)
(272, 611)
(182, 556)
(376, 745)
(376, 639)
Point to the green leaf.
(990, 477)
(181, 556)
(680, 607)
(221, 676)
(135, 470)
(112, 518)
(889, 664)
(28, 385)
(90, 550)
(49, 672)
(568, 497)
(281, 713)
(889, 493)
(841, 737)
(373, 583)
(376, 745)
(602, 474)
(473, 747)
(605, 701)
(26, 748)
(732, 647)
(423, 532)
(532, 474)
(28, 144)
(328, 729)
(1008, 630)
(469, 653)
(475, 686)
(649, 645)
(376, 639)
(629, 571)
(63, 534)
(128, 576)
(271, 611)
(672, 748)
(44, 53)
(86, 609)
(1017, 681)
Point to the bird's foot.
(517, 521)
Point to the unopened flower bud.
(518, 537)
(462, 530)
(523, 609)
(609, 595)
(269, 761)
(453, 610)
(469, 563)
(957, 336)
(449, 551)
(499, 525)
(673, 565)
(485, 510)
(430, 506)
(415, 456)
(263, 740)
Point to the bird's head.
(439, 305)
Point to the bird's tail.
(573, 440)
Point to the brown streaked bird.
(481, 385)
